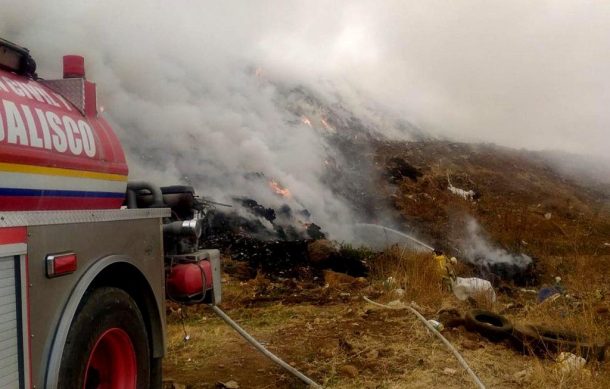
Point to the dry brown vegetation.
(328, 331)
(387, 349)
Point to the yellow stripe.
(55, 171)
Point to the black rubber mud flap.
(102, 310)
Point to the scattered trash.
(437, 325)
(227, 385)
(568, 362)
(396, 304)
(547, 216)
(449, 371)
(530, 291)
(463, 288)
(399, 292)
(549, 293)
(389, 282)
(557, 280)
(465, 194)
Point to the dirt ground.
(326, 330)
(340, 341)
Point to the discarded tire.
(545, 341)
(491, 325)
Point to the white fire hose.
(263, 350)
(457, 355)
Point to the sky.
(519, 73)
(176, 78)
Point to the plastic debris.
(465, 194)
(551, 293)
(399, 292)
(568, 362)
(437, 325)
(463, 288)
(396, 304)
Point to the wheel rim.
(112, 362)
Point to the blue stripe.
(58, 193)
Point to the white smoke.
(183, 96)
(181, 83)
(479, 251)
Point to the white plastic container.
(472, 287)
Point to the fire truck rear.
(87, 258)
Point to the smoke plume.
(229, 95)
(480, 252)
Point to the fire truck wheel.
(107, 345)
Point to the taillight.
(61, 264)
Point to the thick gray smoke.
(202, 92)
(477, 250)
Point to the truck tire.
(491, 325)
(546, 341)
(107, 344)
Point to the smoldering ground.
(197, 90)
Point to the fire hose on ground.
(457, 355)
(263, 350)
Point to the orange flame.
(305, 120)
(280, 190)
(326, 125)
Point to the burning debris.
(279, 190)
(305, 120)
(279, 242)
(494, 263)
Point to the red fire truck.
(87, 258)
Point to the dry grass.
(418, 274)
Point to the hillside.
(521, 200)
(318, 321)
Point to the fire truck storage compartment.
(102, 240)
(11, 324)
